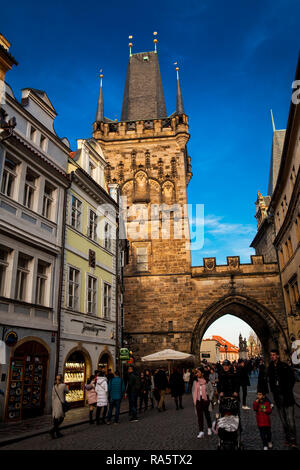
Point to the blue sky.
(237, 61)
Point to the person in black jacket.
(228, 385)
(161, 384)
(177, 387)
(262, 382)
(133, 386)
(282, 380)
(244, 381)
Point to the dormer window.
(32, 134)
(92, 169)
(43, 143)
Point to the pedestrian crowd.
(209, 385)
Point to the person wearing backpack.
(133, 387)
(116, 389)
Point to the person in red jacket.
(263, 410)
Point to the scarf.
(201, 389)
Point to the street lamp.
(226, 350)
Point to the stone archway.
(258, 317)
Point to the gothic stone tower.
(147, 156)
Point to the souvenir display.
(74, 377)
(25, 387)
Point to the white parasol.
(167, 355)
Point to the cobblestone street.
(171, 430)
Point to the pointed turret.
(100, 107)
(143, 93)
(179, 100)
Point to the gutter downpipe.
(62, 267)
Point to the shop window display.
(75, 379)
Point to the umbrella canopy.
(167, 355)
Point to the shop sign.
(11, 338)
(124, 354)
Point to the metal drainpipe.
(61, 277)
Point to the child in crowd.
(263, 410)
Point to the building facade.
(285, 210)
(32, 196)
(227, 350)
(88, 329)
(210, 350)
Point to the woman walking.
(59, 392)
(91, 396)
(202, 395)
(102, 399)
(177, 387)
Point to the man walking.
(244, 382)
(161, 384)
(133, 386)
(116, 389)
(282, 380)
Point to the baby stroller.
(227, 425)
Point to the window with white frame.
(142, 258)
(9, 176)
(22, 276)
(3, 268)
(48, 200)
(76, 212)
(107, 236)
(92, 227)
(41, 283)
(91, 294)
(106, 301)
(73, 288)
(29, 189)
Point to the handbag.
(65, 405)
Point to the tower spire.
(155, 41)
(100, 107)
(179, 100)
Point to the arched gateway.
(261, 320)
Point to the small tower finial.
(130, 45)
(273, 123)
(155, 41)
(177, 70)
(100, 107)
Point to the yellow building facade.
(88, 315)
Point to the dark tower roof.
(100, 107)
(179, 100)
(143, 93)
